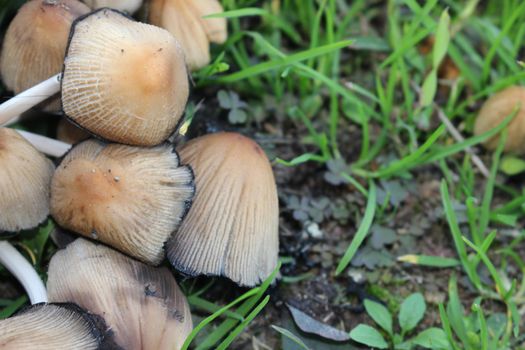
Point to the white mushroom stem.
(24, 272)
(46, 145)
(27, 99)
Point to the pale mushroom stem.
(27, 99)
(24, 272)
(46, 145)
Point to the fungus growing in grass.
(123, 80)
(495, 110)
(35, 43)
(129, 6)
(24, 183)
(184, 19)
(53, 327)
(70, 133)
(128, 197)
(142, 305)
(232, 227)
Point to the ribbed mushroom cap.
(123, 80)
(232, 226)
(70, 133)
(495, 110)
(51, 327)
(131, 198)
(25, 180)
(141, 304)
(183, 18)
(123, 5)
(35, 43)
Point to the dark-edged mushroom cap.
(53, 327)
(184, 19)
(25, 180)
(70, 133)
(142, 305)
(129, 197)
(129, 6)
(123, 80)
(495, 110)
(232, 227)
(35, 43)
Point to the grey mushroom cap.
(54, 327)
(141, 304)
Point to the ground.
(366, 110)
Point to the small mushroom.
(232, 227)
(142, 305)
(53, 327)
(70, 133)
(184, 19)
(24, 183)
(129, 6)
(495, 110)
(123, 81)
(128, 197)
(35, 43)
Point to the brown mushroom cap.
(141, 304)
(495, 110)
(131, 198)
(123, 5)
(25, 180)
(70, 133)
(183, 18)
(232, 227)
(51, 327)
(123, 80)
(35, 43)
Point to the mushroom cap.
(24, 183)
(141, 304)
(495, 110)
(70, 133)
(130, 198)
(123, 80)
(183, 19)
(232, 227)
(129, 6)
(52, 327)
(35, 43)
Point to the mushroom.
(24, 183)
(123, 81)
(70, 133)
(495, 110)
(141, 304)
(184, 19)
(129, 6)
(35, 43)
(232, 226)
(53, 327)
(128, 197)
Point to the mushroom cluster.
(209, 206)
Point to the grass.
(357, 70)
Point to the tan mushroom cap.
(25, 180)
(130, 198)
(183, 18)
(495, 110)
(70, 133)
(35, 43)
(123, 5)
(142, 305)
(49, 327)
(232, 226)
(123, 80)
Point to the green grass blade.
(291, 336)
(362, 231)
(13, 307)
(428, 260)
